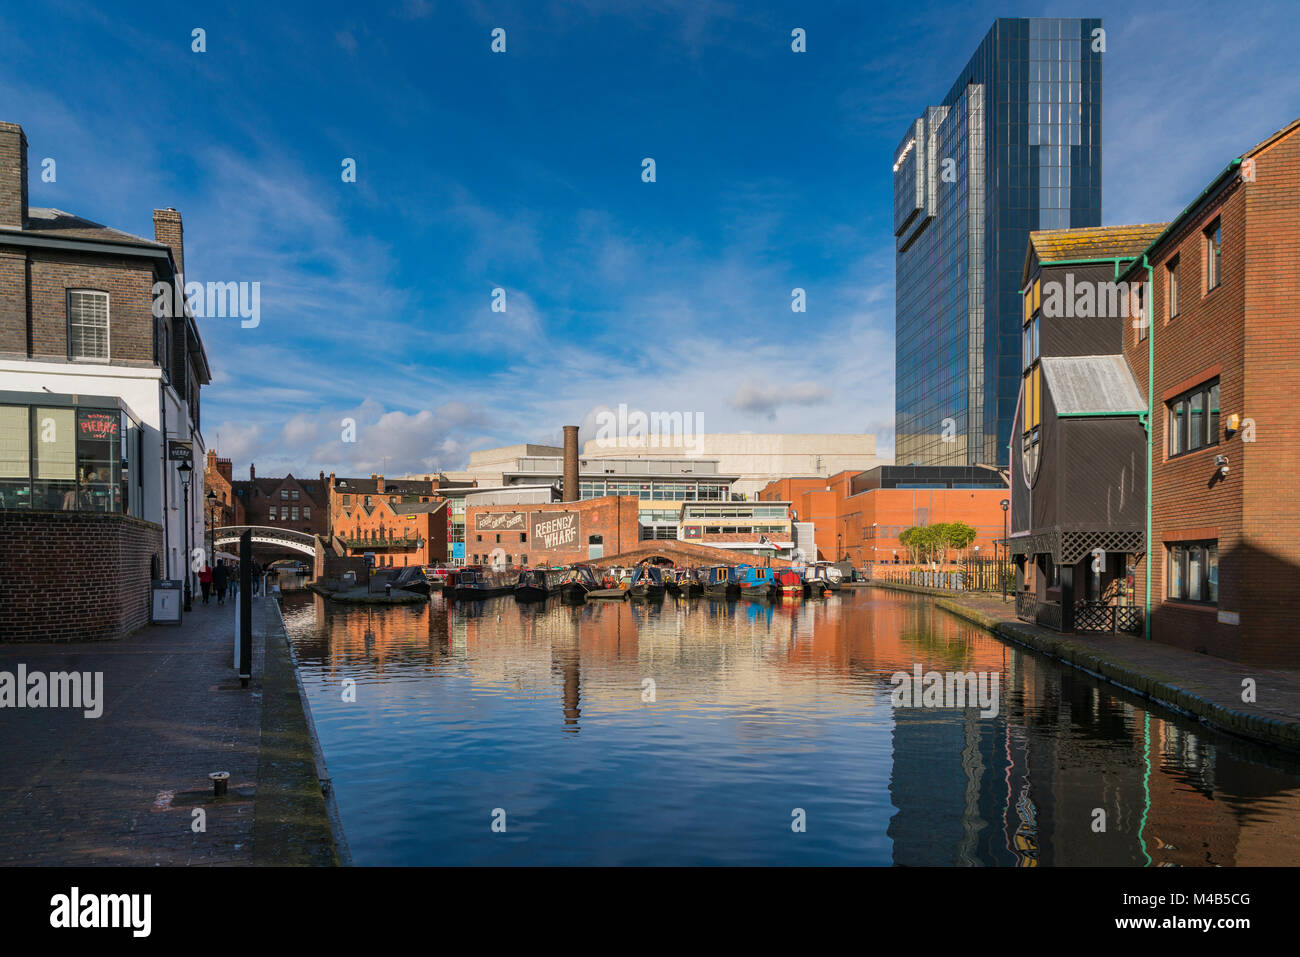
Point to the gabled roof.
(1092, 385)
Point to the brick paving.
(1203, 685)
(120, 789)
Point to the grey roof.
(1096, 384)
(57, 223)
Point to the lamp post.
(186, 470)
(1002, 569)
(211, 498)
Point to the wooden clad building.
(1078, 448)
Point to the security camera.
(1222, 462)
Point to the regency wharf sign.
(555, 529)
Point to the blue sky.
(522, 170)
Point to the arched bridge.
(267, 535)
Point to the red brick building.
(402, 521)
(858, 516)
(558, 533)
(300, 505)
(1225, 344)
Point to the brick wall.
(613, 517)
(74, 576)
(38, 281)
(1246, 332)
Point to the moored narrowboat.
(755, 581)
(474, 583)
(647, 582)
(537, 584)
(720, 582)
(575, 582)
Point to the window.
(306, 511)
(1139, 314)
(294, 495)
(284, 495)
(523, 536)
(87, 325)
(1213, 255)
(294, 516)
(1194, 419)
(1194, 572)
(271, 513)
(1171, 286)
(523, 559)
(347, 500)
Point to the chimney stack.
(13, 176)
(569, 490)
(252, 471)
(380, 484)
(167, 230)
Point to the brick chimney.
(380, 480)
(212, 460)
(570, 486)
(13, 176)
(167, 230)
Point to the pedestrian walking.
(257, 579)
(205, 581)
(234, 580)
(219, 581)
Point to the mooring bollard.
(220, 781)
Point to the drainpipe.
(1149, 302)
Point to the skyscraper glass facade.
(1015, 146)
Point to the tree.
(957, 535)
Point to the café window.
(1194, 572)
(1193, 419)
(67, 459)
(87, 325)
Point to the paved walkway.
(1202, 685)
(121, 788)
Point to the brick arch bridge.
(686, 553)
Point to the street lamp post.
(1002, 569)
(212, 521)
(186, 470)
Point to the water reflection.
(757, 710)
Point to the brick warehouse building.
(98, 400)
(1225, 345)
(558, 533)
(858, 516)
(402, 521)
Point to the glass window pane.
(1213, 416)
(1194, 572)
(1176, 572)
(98, 448)
(15, 457)
(1177, 415)
(55, 441)
(88, 325)
(1196, 422)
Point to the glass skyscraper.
(1014, 147)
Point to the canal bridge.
(267, 535)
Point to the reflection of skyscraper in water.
(939, 784)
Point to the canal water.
(703, 732)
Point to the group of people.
(224, 580)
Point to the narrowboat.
(537, 584)
(720, 582)
(647, 582)
(576, 582)
(788, 584)
(684, 582)
(829, 575)
(412, 578)
(755, 581)
(474, 583)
